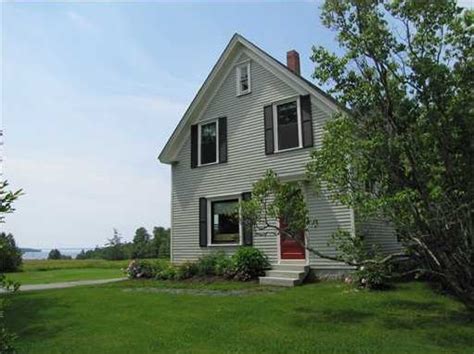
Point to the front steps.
(285, 275)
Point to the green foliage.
(273, 199)
(186, 270)
(207, 264)
(161, 242)
(6, 199)
(10, 254)
(246, 264)
(6, 338)
(10, 260)
(249, 263)
(405, 151)
(54, 254)
(374, 276)
(143, 246)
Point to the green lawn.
(54, 271)
(152, 316)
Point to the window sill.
(225, 245)
(244, 93)
(290, 149)
(208, 164)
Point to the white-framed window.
(243, 78)
(288, 133)
(224, 221)
(208, 142)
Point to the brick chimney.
(293, 61)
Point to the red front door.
(290, 248)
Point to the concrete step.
(286, 274)
(291, 267)
(277, 281)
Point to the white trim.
(222, 198)
(216, 121)
(171, 217)
(238, 73)
(298, 118)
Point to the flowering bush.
(373, 276)
(139, 269)
(246, 264)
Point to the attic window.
(243, 78)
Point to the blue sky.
(92, 91)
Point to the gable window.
(225, 222)
(208, 143)
(287, 121)
(243, 78)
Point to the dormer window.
(243, 78)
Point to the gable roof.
(300, 84)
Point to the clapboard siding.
(246, 163)
(379, 233)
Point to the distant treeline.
(143, 245)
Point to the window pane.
(225, 222)
(287, 118)
(243, 78)
(208, 143)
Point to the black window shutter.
(202, 222)
(247, 229)
(194, 146)
(222, 139)
(306, 120)
(268, 121)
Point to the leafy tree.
(10, 254)
(161, 241)
(6, 206)
(405, 152)
(54, 254)
(114, 249)
(141, 244)
(6, 199)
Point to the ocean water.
(73, 252)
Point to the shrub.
(224, 267)
(165, 271)
(186, 270)
(139, 269)
(249, 263)
(10, 255)
(206, 265)
(373, 276)
(6, 338)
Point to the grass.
(329, 317)
(54, 271)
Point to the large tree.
(405, 149)
(6, 206)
